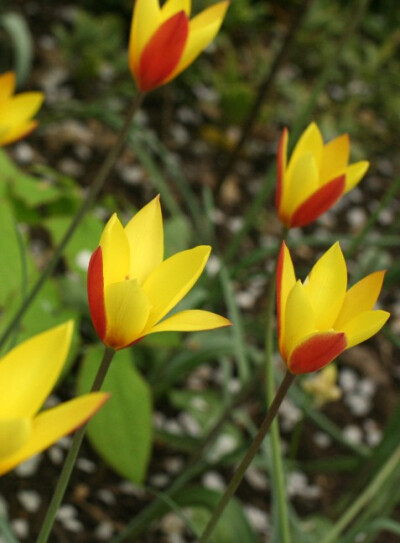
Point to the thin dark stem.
(91, 196)
(252, 451)
(69, 463)
(264, 91)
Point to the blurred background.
(207, 143)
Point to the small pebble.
(322, 440)
(258, 518)
(56, 455)
(20, 527)
(214, 481)
(86, 465)
(30, 500)
(106, 496)
(104, 531)
(353, 434)
(82, 259)
(29, 467)
(159, 480)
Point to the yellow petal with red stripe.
(299, 319)
(300, 182)
(310, 142)
(31, 369)
(127, 311)
(335, 157)
(49, 426)
(316, 351)
(191, 320)
(202, 30)
(172, 279)
(326, 287)
(145, 21)
(361, 297)
(115, 251)
(146, 240)
(364, 326)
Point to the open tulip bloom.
(315, 177)
(164, 42)
(27, 375)
(319, 319)
(131, 288)
(16, 112)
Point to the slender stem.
(92, 193)
(252, 451)
(264, 91)
(276, 451)
(71, 456)
(372, 490)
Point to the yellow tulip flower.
(16, 112)
(318, 319)
(131, 288)
(27, 375)
(164, 42)
(323, 386)
(315, 177)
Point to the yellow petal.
(299, 318)
(127, 310)
(202, 31)
(145, 21)
(301, 180)
(115, 251)
(310, 142)
(361, 297)
(14, 433)
(16, 132)
(354, 173)
(146, 240)
(49, 426)
(191, 321)
(173, 278)
(286, 280)
(29, 371)
(335, 157)
(364, 326)
(20, 108)
(7, 86)
(171, 7)
(326, 287)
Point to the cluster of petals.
(320, 318)
(27, 375)
(164, 42)
(131, 288)
(315, 177)
(16, 111)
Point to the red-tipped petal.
(163, 52)
(316, 352)
(281, 166)
(319, 202)
(95, 289)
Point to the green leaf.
(122, 431)
(233, 526)
(11, 264)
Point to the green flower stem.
(369, 493)
(72, 455)
(91, 196)
(277, 474)
(252, 451)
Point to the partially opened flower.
(323, 386)
(16, 111)
(27, 375)
(319, 319)
(164, 42)
(131, 288)
(315, 177)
